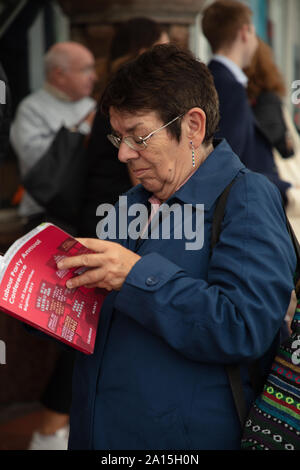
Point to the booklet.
(34, 290)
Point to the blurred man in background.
(64, 100)
(228, 27)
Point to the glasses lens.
(114, 140)
(135, 143)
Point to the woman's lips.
(138, 173)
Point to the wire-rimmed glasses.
(137, 143)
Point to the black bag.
(57, 180)
(273, 422)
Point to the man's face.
(78, 79)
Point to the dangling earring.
(193, 154)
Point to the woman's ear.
(195, 120)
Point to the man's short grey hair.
(56, 58)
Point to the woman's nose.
(126, 153)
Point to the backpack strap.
(219, 215)
(233, 370)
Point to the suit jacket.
(239, 127)
(157, 379)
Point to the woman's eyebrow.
(128, 130)
(133, 128)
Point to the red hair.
(263, 73)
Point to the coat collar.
(207, 183)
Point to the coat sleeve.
(235, 314)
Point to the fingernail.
(59, 265)
(69, 284)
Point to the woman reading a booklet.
(178, 312)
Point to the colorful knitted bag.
(274, 419)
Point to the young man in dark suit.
(228, 27)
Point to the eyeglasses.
(137, 143)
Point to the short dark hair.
(167, 80)
(222, 20)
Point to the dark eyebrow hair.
(133, 128)
(129, 130)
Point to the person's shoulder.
(221, 71)
(36, 95)
(33, 100)
(89, 100)
(86, 103)
(252, 186)
(268, 97)
(224, 80)
(82, 107)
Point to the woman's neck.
(188, 173)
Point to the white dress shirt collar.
(233, 67)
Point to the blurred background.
(27, 29)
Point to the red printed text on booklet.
(33, 290)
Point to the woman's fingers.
(89, 278)
(107, 267)
(88, 260)
(94, 244)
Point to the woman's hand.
(107, 267)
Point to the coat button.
(151, 281)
